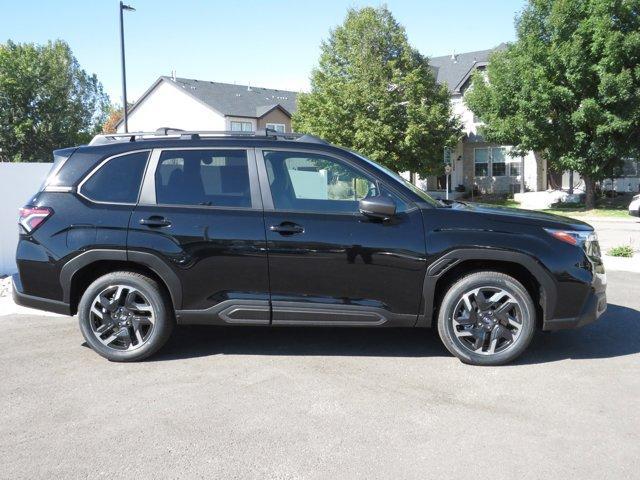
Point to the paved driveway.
(304, 403)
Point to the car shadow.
(617, 333)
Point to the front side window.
(241, 127)
(317, 183)
(217, 178)
(118, 180)
(278, 127)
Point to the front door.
(328, 263)
(200, 213)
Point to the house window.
(498, 165)
(490, 162)
(481, 160)
(278, 127)
(241, 127)
(515, 167)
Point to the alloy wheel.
(122, 317)
(487, 320)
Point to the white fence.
(18, 182)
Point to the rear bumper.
(594, 307)
(40, 303)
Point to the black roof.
(454, 70)
(237, 100)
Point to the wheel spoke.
(513, 322)
(109, 304)
(469, 319)
(130, 302)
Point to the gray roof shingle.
(237, 100)
(451, 70)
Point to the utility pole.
(124, 7)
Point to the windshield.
(421, 193)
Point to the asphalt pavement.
(250, 403)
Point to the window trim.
(489, 162)
(148, 194)
(241, 122)
(265, 188)
(104, 162)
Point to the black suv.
(137, 233)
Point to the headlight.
(588, 241)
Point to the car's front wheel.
(487, 318)
(125, 316)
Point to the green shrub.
(621, 251)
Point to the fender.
(447, 261)
(154, 263)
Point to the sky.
(272, 44)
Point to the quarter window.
(118, 180)
(203, 177)
(241, 127)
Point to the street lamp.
(124, 7)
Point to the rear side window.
(218, 178)
(118, 180)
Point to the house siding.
(167, 106)
(275, 116)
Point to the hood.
(530, 217)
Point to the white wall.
(169, 106)
(18, 182)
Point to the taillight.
(32, 217)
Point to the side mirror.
(378, 207)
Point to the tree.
(372, 92)
(114, 115)
(569, 87)
(46, 101)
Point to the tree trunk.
(590, 193)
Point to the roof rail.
(176, 133)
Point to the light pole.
(124, 7)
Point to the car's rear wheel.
(487, 318)
(125, 316)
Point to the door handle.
(287, 228)
(155, 221)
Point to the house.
(201, 105)
(476, 163)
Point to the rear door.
(200, 213)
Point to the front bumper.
(593, 307)
(40, 303)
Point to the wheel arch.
(78, 273)
(444, 271)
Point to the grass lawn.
(605, 207)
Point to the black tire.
(156, 298)
(462, 347)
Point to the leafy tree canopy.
(46, 101)
(372, 92)
(569, 87)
